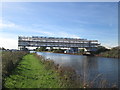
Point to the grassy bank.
(10, 60)
(34, 73)
(112, 53)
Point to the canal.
(90, 68)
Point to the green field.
(31, 73)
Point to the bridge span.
(36, 41)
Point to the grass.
(10, 61)
(31, 73)
(34, 71)
(112, 53)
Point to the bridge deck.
(56, 42)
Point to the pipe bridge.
(36, 41)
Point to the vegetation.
(81, 51)
(10, 60)
(50, 50)
(2, 48)
(41, 49)
(58, 51)
(36, 72)
(114, 53)
(101, 49)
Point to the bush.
(114, 53)
(68, 76)
(10, 60)
(41, 49)
(58, 51)
(100, 49)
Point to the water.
(91, 68)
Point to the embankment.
(34, 71)
(10, 60)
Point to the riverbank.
(106, 55)
(110, 54)
(10, 60)
(35, 72)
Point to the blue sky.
(87, 20)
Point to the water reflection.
(88, 67)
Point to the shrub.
(10, 60)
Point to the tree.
(81, 50)
(51, 49)
(101, 49)
(41, 49)
(2, 48)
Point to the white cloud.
(9, 40)
(8, 43)
(7, 24)
(37, 30)
(2, 25)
